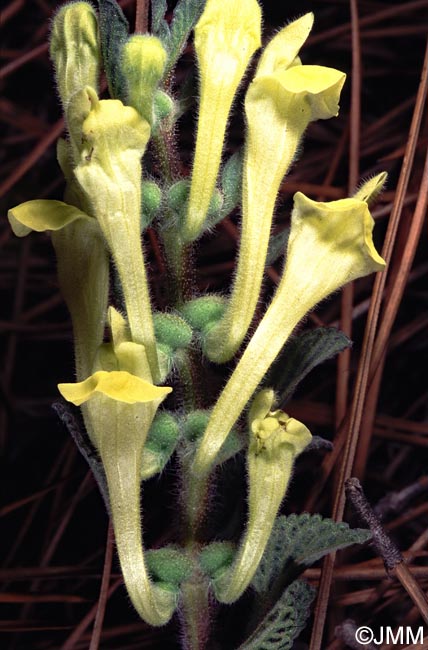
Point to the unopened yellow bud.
(144, 60)
(75, 49)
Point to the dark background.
(54, 525)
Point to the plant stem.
(194, 601)
(142, 17)
(175, 263)
(195, 612)
(195, 605)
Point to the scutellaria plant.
(119, 162)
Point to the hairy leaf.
(300, 355)
(285, 620)
(231, 182)
(277, 246)
(185, 16)
(114, 29)
(159, 24)
(230, 185)
(302, 539)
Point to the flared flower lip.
(338, 210)
(118, 385)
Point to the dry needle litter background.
(54, 526)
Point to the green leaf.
(159, 24)
(285, 620)
(114, 29)
(302, 539)
(231, 181)
(186, 15)
(300, 355)
(230, 185)
(277, 246)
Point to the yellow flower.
(109, 174)
(226, 37)
(119, 406)
(282, 99)
(82, 268)
(330, 244)
(107, 181)
(275, 442)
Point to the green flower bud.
(163, 105)
(195, 424)
(202, 313)
(161, 442)
(171, 330)
(143, 62)
(151, 198)
(216, 557)
(178, 195)
(75, 49)
(165, 360)
(169, 566)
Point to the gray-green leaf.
(185, 16)
(114, 29)
(302, 539)
(230, 185)
(285, 621)
(300, 355)
(277, 245)
(159, 24)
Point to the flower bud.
(75, 49)
(151, 199)
(163, 105)
(144, 59)
(161, 442)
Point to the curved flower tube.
(281, 101)
(109, 173)
(119, 407)
(83, 271)
(275, 442)
(330, 244)
(226, 37)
